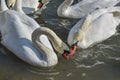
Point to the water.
(100, 62)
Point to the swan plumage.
(82, 8)
(18, 30)
(28, 6)
(3, 6)
(95, 27)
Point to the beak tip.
(72, 51)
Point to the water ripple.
(48, 72)
(89, 66)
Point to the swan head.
(79, 32)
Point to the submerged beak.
(71, 52)
(40, 4)
(66, 54)
(73, 49)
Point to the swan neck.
(57, 43)
(63, 7)
(18, 6)
(48, 56)
(3, 5)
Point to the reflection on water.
(100, 62)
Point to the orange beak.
(73, 49)
(40, 4)
(66, 54)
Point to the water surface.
(100, 62)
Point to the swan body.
(95, 27)
(82, 8)
(28, 6)
(28, 41)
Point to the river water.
(100, 62)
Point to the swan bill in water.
(71, 52)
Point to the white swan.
(82, 8)
(94, 28)
(29, 6)
(3, 6)
(16, 30)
